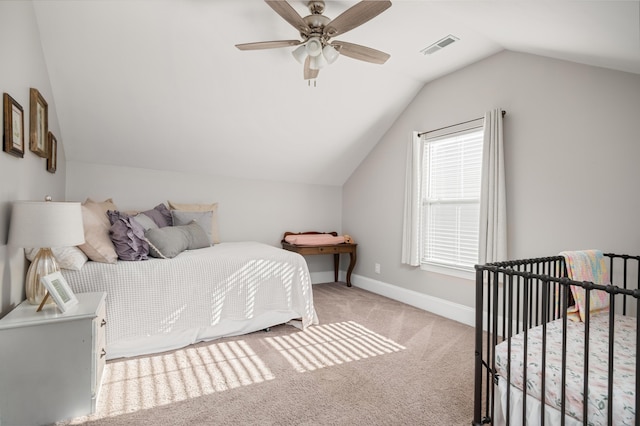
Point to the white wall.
(572, 148)
(248, 210)
(23, 66)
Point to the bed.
(227, 289)
(525, 339)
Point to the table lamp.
(44, 224)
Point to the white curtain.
(493, 205)
(411, 225)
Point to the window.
(450, 208)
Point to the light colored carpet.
(371, 361)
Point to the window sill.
(449, 270)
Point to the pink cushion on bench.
(313, 239)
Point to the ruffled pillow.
(127, 236)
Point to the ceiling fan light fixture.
(314, 50)
(317, 62)
(330, 53)
(300, 53)
(314, 46)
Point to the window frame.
(456, 270)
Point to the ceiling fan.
(316, 49)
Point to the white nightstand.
(51, 363)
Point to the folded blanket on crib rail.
(314, 239)
(587, 265)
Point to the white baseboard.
(444, 308)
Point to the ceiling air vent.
(440, 44)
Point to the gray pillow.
(198, 237)
(170, 241)
(145, 221)
(182, 217)
(161, 215)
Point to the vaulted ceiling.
(159, 84)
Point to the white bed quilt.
(225, 290)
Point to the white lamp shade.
(300, 53)
(317, 62)
(314, 46)
(46, 224)
(330, 53)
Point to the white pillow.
(67, 257)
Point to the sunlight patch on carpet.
(331, 344)
(136, 384)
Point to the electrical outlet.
(377, 268)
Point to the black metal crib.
(515, 297)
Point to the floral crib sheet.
(624, 367)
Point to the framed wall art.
(52, 158)
(38, 123)
(13, 126)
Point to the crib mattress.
(624, 367)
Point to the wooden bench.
(334, 249)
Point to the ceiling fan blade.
(355, 16)
(361, 53)
(268, 44)
(289, 14)
(309, 74)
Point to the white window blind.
(452, 166)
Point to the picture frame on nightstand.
(59, 290)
